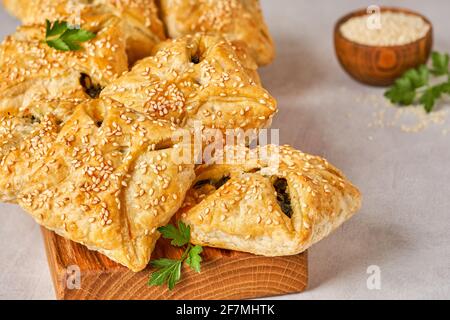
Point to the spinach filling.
(93, 90)
(216, 183)
(283, 198)
(34, 119)
(195, 59)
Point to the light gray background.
(404, 226)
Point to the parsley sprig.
(169, 270)
(61, 36)
(418, 86)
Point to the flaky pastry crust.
(198, 78)
(109, 180)
(271, 201)
(238, 20)
(33, 71)
(39, 89)
(139, 19)
(26, 136)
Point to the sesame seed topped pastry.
(197, 78)
(139, 18)
(33, 71)
(270, 201)
(249, 64)
(111, 178)
(25, 137)
(237, 20)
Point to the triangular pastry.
(270, 201)
(111, 178)
(240, 21)
(195, 79)
(139, 19)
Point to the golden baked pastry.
(238, 20)
(270, 201)
(196, 78)
(25, 137)
(249, 64)
(139, 18)
(32, 71)
(109, 181)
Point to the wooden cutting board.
(82, 274)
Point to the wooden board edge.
(250, 278)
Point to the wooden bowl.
(380, 65)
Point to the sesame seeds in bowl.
(378, 48)
(389, 29)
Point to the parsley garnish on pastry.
(32, 70)
(40, 88)
(139, 22)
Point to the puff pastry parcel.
(109, 181)
(31, 70)
(270, 201)
(198, 78)
(140, 24)
(240, 21)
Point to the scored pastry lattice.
(195, 78)
(39, 89)
(108, 181)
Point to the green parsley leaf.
(63, 37)
(175, 275)
(402, 92)
(169, 270)
(440, 63)
(170, 273)
(419, 77)
(57, 29)
(162, 263)
(414, 85)
(58, 44)
(194, 259)
(446, 87)
(428, 99)
(179, 237)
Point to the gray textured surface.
(404, 225)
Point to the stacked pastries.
(40, 88)
(239, 21)
(139, 22)
(89, 148)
